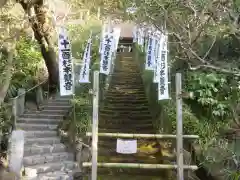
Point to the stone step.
(62, 103)
(40, 115)
(56, 175)
(40, 134)
(147, 130)
(118, 112)
(129, 122)
(44, 149)
(125, 114)
(129, 74)
(126, 107)
(52, 112)
(122, 93)
(125, 97)
(63, 166)
(137, 117)
(126, 126)
(47, 158)
(118, 102)
(42, 141)
(127, 88)
(38, 120)
(57, 107)
(31, 127)
(132, 174)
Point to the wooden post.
(179, 127)
(95, 124)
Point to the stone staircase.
(126, 110)
(45, 156)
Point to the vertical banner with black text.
(149, 64)
(163, 90)
(66, 74)
(106, 55)
(84, 72)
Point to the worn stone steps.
(40, 134)
(122, 92)
(47, 158)
(112, 102)
(63, 166)
(124, 111)
(38, 127)
(127, 130)
(131, 116)
(57, 175)
(126, 97)
(121, 107)
(44, 149)
(126, 126)
(40, 115)
(39, 121)
(120, 122)
(41, 141)
(55, 106)
(133, 174)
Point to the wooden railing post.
(39, 95)
(180, 175)
(14, 112)
(21, 101)
(95, 124)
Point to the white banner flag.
(116, 36)
(156, 59)
(106, 56)
(135, 34)
(102, 38)
(149, 64)
(163, 72)
(141, 38)
(66, 74)
(84, 72)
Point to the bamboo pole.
(95, 124)
(140, 166)
(180, 175)
(147, 136)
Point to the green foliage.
(27, 65)
(79, 35)
(214, 93)
(82, 102)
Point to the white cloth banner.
(156, 59)
(102, 38)
(106, 56)
(163, 72)
(66, 74)
(84, 72)
(149, 64)
(141, 38)
(134, 34)
(126, 146)
(116, 36)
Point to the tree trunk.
(43, 29)
(7, 73)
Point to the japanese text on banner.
(163, 92)
(106, 56)
(66, 76)
(149, 65)
(84, 72)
